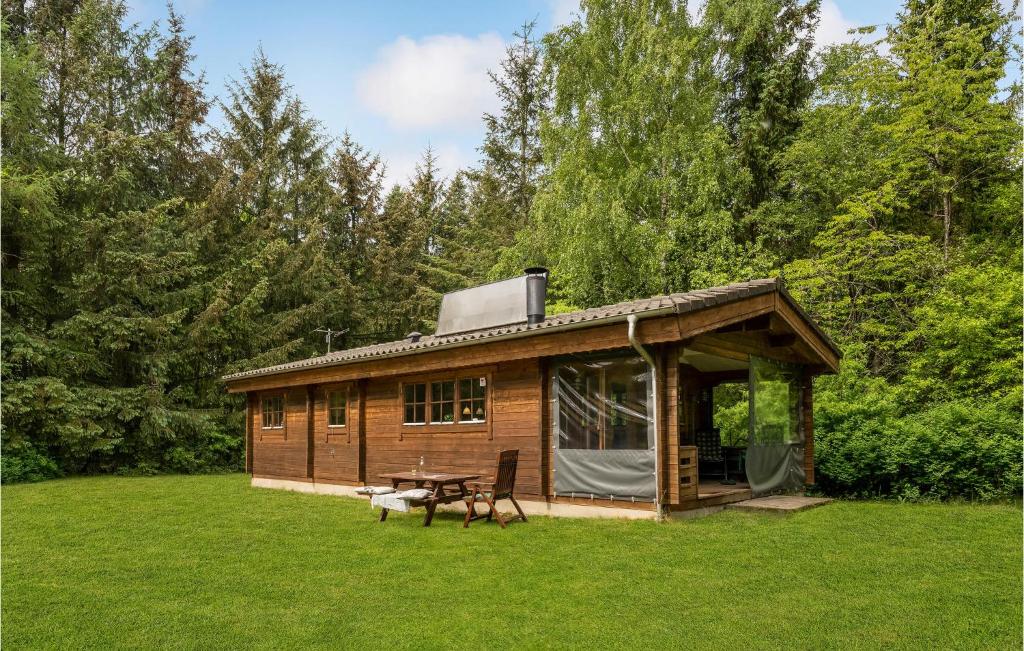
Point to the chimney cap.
(414, 336)
(536, 271)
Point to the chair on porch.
(500, 487)
(709, 450)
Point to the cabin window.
(603, 404)
(442, 402)
(337, 405)
(445, 401)
(416, 404)
(273, 412)
(472, 400)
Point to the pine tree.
(426, 200)
(491, 229)
(113, 262)
(763, 64)
(184, 107)
(450, 265)
(272, 278)
(31, 223)
(426, 191)
(355, 204)
(952, 132)
(512, 147)
(394, 293)
(357, 181)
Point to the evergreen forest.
(646, 147)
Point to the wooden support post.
(310, 429)
(361, 424)
(671, 420)
(544, 415)
(808, 409)
(250, 413)
(661, 426)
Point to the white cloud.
(401, 165)
(436, 81)
(563, 11)
(832, 26)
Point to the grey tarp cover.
(604, 434)
(624, 473)
(775, 451)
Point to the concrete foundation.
(530, 507)
(771, 504)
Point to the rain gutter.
(632, 320)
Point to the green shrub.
(25, 464)
(865, 446)
(949, 425)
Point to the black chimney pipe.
(536, 293)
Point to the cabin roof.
(679, 303)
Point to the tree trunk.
(947, 223)
(663, 209)
(524, 200)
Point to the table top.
(433, 477)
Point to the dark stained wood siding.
(515, 423)
(336, 449)
(281, 452)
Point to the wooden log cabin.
(666, 404)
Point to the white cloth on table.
(391, 502)
(400, 501)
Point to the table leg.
(471, 505)
(432, 504)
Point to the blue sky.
(399, 74)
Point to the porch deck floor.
(711, 493)
(711, 488)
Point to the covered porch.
(724, 416)
(743, 406)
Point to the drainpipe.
(632, 320)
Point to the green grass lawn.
(208, 562)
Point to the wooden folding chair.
(500, 488)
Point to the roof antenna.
(329, 335)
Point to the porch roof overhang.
(769, 295)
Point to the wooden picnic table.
(436, 483)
